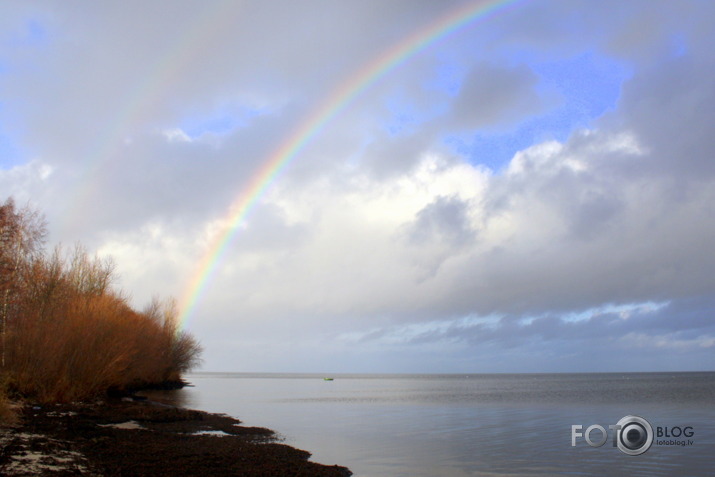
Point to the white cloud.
(26, 181)
(176, 135)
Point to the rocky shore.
(121, 437)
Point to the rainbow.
(454, 20)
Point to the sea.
(385, 425)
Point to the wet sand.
(121, 438)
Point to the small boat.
(327, 379)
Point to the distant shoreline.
(116, 437)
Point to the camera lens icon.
(634, 435)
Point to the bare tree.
(22, 233)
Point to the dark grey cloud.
(443, 221)
(641, 337)
(493, 96)
(669, 108)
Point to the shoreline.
(126, 437)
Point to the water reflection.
(177, 397)
(475, 425)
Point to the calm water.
(474, 425)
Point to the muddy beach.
(121, 437)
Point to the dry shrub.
(181, 351)
(67, 335)
(8, 411)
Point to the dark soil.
(157, 440)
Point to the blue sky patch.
(587, 86)
(220, 122)
(9, 153)
(30, 34)
(679, 44)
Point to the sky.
(345, 187)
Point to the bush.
(67, 334)
(8, 411)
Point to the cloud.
(34, 176)
(493, 96)
(381, 242)
(513, 243)
(669, 110)
(443, 220)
